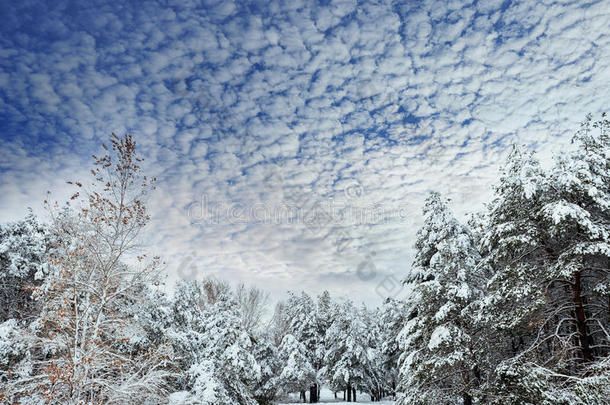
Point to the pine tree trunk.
(581, 319)
(349, 393)
(354, 394)
(467, 399)
(313, 394)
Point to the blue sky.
(348, 112)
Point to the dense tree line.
(82, 321)
(512, 307)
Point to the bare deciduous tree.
(253, 306)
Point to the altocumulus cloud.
(335, 108)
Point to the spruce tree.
(439, 342)
(547, 241)
(298, 374)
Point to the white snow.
(439, 335)
(341, 401)
(327, 397)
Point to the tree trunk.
(313, 394)
(581, 320)
(354, 389)
(303, 396)
(467, 399)
(349, 393)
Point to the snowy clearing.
(327, 397)
(340, 401)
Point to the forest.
(511, 306)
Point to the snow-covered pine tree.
(547, 241)
(24, 246)
(150, 311)
(324, 319)
(303, 316)
(347, 362)
(439, 343)
(267, 355)
(230, 346)
(324, 315)
(510, 244)
(376, 382)
(212, 345)
(297, 374)
(393, 317)
(186, 333)
(576, 231)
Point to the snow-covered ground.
(333, 401)
(327, 397)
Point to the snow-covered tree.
(303, 316)
(377, 381)
(297, 373)
(347, 363)
(267, 355)
(280, 323)
(76, 350)
(324, 319)
(547, 242)
(213, 345)
(24, 246)
(511, 242)
(439, 343)
(393, 317)
(576, 233)
(252, 306)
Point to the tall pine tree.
(440, 343)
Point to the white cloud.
(249, 103)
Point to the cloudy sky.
(294, 141)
